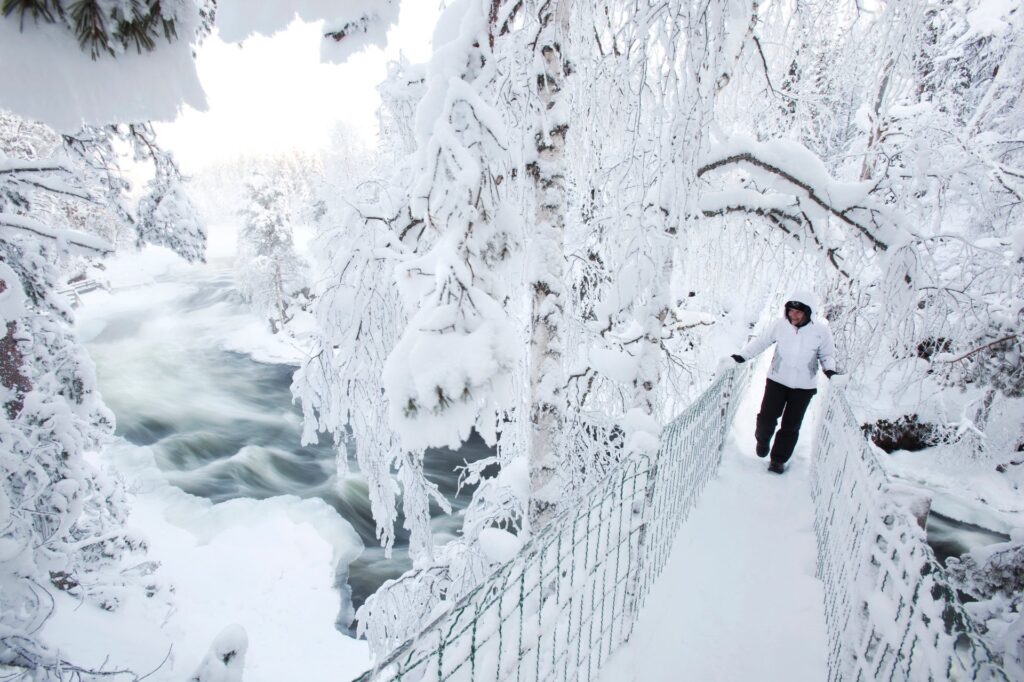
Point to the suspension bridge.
(613, 588)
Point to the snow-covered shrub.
(61, 520)
(994, 576)
(225, 661)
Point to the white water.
(249, 526)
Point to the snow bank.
(226, 660)
(970, 492)
(266, 566)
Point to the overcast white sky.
(273, 94)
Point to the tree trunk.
(11, 360)
(981, 423)
(547, 305)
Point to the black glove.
(830, 373)
(739, 358)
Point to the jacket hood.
(806, 297)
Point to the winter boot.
(761, 450)
(776, 467)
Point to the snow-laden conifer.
(270, 274)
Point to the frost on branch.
(492, 533)
(447, 231)
(789, 186)
(359, 316)
(163, 216)
(166, 216)
(340, 389)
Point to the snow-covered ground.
(267, 565)
(738, 598)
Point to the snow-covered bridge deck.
(738, 598)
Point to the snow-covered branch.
(64, 238)
(797, 167)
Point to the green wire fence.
(570, 597)
(890, 613)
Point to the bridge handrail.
(565, 603)
(889, 611)
(74, 290)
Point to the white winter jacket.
(798, 350)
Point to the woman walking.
(801, 344)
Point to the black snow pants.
(790, 404)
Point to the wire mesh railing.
(570, 597)
(890, 613)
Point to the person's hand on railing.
(836, 379)
(725, 364)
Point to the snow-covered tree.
(561, 168)
(910, 196)
(219, 192)
(441, 345)
(269, 273)
(360, 315)
(61, 521)
(546, 254)
(163, 214)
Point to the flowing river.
(170, 364)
